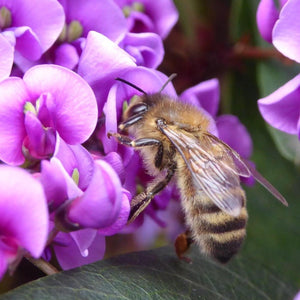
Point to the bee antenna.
(132, 85)
(168, 81)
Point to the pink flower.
(48, 100)
(24, 216)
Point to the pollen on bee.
(121, 127)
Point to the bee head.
(138, 105)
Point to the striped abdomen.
(218, 234)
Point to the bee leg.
(125, 140)
(141, 201)
(130, 121)
(182, 244)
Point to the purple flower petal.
(122, 217)
(147, 48)
(24, 213)
(164, 15)
(54, 184)
(282, 2)
(84, 165)
(14, 94)
(235, 134)
(297, 296)
(286, 32)
(115, 160)
(110, 111)
(75, 156)
(45, 18)
(66, 55)
(39, 142)
(102, 16)
(266, 16)
(139, 22)
(101, 203)
(205, 94)
(67, 245)
(63, 152)
(84, 239)
(157, 16)
(7, 57)
(132, 168)
(73, 191)
(27, 43)
(148, 80)
(76, 107)
(100, 63)
(3, 264)
(281, 108)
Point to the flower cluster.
(65, 185)
(280, 26)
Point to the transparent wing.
(214, 166)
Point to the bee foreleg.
(125, 140)
(182, 244)
(141, 201)
(130, 121)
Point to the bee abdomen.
(218, 234)
(223, 251)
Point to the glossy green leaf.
(158, 274)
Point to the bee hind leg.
(141, 201)
(182, 245)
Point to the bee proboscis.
(174, 140)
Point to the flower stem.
(245, 50)
(43, 265)
(51, 236)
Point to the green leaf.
(159, 274)
(287, 144)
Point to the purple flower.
(297, 297)
(150, 16)
(78, 248)
(24, 216)
(286, 36)
(7, 58)
(82, 16)
(102, 16)
(48, 100)
(266, 17)
(81, 192)
(146, 48)
(86, 201)
(101, 62)
(31, 26)
(281, 108)
(280, 26)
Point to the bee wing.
(241, 163)
(214, 166)
(264, 182)
(224, 155)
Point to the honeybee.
(174, 140)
